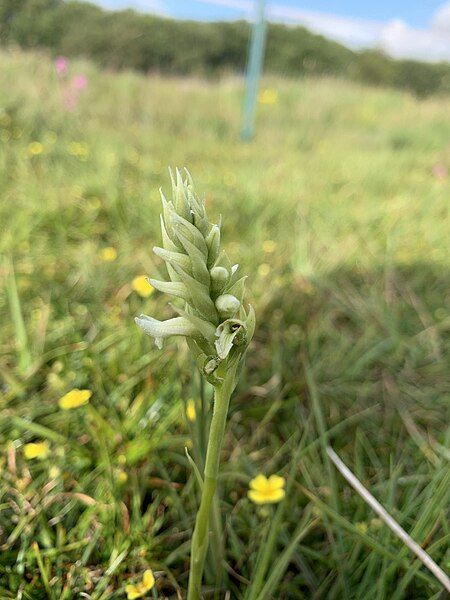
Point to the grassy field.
(339, 211)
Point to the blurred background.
(336, 203)
(398, 44)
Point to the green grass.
(352, 340)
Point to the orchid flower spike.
(212, 316)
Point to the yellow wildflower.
(190, 410)
(108, 254)
(142, 286)
(362, 527)
(35, 148)
(268, 96)
(78, 149)
(263, 270)
(36, 450)
(265, 490)
(74, 399)
(269, 246)
(140, 589)
(122, 476)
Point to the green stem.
(200, 537)
(217, 548)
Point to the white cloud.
(396, 37)
(441, 19)
(431, 44)
(356, 33)
(244, 6)
(402, 41)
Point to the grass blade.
(390, 522)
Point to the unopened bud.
(219, 278)
(219, 274)
(227, 305)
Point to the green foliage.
(294, 50)
(338, 213)
(129, 40)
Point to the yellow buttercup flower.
(78, 149)
(35, 148)
(142, 286)
(190, 410)
(265, 490)
(122, 476)
(36, 450)
(108, 254)
(263, 270)
(140, 589)
(74, 399)
(269, 246)
(268, 96)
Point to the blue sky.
(415, 12)
(402, 28)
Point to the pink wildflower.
(79, 82)
(61, 65)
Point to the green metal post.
(254, 68)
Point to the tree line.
(130, 40)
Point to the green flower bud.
(219, 279)
(227, 305)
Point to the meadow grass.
(338, 210)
